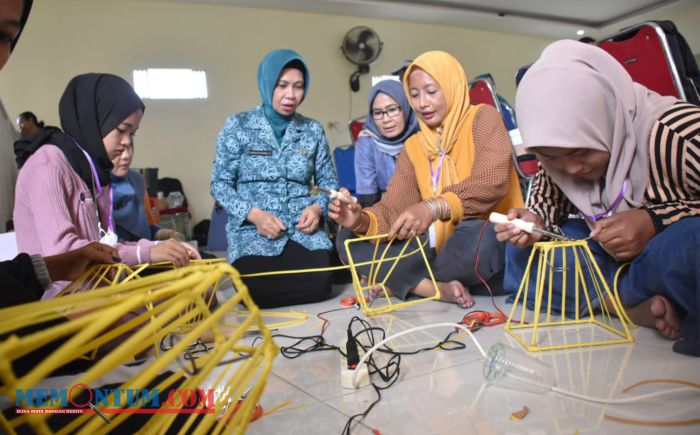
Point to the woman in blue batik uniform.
(266, 161)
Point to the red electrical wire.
(476, 269)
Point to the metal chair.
(656, 56)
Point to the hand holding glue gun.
(345, 210)
(521, 228)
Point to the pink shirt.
(55, 213)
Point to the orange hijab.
(455, 140)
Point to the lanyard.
(435, 177)
(96, 183)
(610, 209)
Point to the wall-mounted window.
(170, 83)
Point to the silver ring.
(405, 228)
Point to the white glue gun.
(333, 194)
(528, 227)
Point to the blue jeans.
(669, 266)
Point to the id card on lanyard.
(108, 237)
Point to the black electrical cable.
(366, 337)
(318, 342)
(391, 370)
(348, 424)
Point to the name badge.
(260, 153)
(109, 238)
(432, 236)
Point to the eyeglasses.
(129, 148)
(391, 112)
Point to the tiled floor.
(444, 392)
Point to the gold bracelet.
(437, 208)
(433, 207)
(446, 214)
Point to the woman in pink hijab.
(620, 163)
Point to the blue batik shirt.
(252, 169)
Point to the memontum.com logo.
(81, 399)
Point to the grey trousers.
(455, 261)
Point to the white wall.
(68, 37)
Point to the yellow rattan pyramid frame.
(542, 318)
(379, 261)
(176, 302)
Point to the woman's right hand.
(268, 224)
(510, 233)
(346, 215)
(171, 251)
(69, 265)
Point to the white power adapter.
(347, 374)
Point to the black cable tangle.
(318, 342)
(165, 348)
(194, 351)
(446, 344)
(366, 337)
(391, 370)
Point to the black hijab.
(91, 106)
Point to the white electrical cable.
(621, 400)
(554, 389)
(408, 331)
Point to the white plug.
(498, 218)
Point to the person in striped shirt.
(621, 164)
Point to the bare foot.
(657, 312)
(378, 291)
(452, 291)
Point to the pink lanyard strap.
(435, 176)
(96, 182)
(610, 209)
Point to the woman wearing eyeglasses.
(390, 122)
(448, 177)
